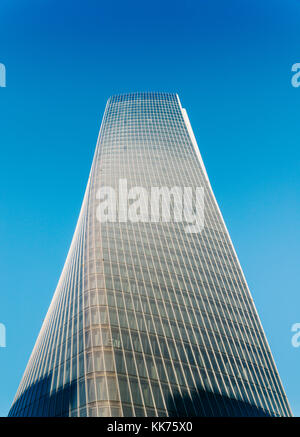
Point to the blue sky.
(230, 63)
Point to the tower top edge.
(142, 95)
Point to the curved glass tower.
(148, 318)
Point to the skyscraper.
(150, 317)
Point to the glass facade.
(147, 319)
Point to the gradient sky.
(230, 62)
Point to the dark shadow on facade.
(209, 404)
(39, 402)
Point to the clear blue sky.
(230, 62)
